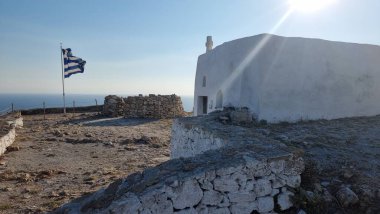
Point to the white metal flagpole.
(63, 82)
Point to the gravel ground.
(61, 158)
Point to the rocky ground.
(64, 157)
(61, 158)
(342, 157)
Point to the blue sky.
(150, 46)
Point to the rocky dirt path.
(61, 158)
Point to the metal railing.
(43, 106)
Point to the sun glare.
(310, 5)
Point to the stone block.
(293, 181)
(225, 184)
(202, 209)
(277, 166)
(211, 197)
(278, 182)
(188, 194)
(206, 185)
(162, 206)
(244, 207)
(274, 192)
(250, 184)
(227, 171)
(240, 178)
(217, 210)
(265, 204)
(242, 196)
(284, 200)
(263, 187)
(128, 204)
(187, 211)
(210, 175)
(225, 202)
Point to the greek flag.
(72, 64)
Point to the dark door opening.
(202, 105)
(219, 99)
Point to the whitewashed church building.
(289, 79)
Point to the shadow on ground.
(97, 120)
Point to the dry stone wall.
(113, 106)
(7, 140)
(194, 135)
(152, 106)
(235, 180)
(10, 135)
(189, 140)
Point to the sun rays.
(253, 53)
(309, 6)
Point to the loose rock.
(347, 197)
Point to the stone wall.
(195, 135)
(78, 109)
(9, 136)
(235, 180)
(7, 140)
(113, 106)
(189, 140)
(153, 106)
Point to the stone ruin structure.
(113, 106)
(8, 127)
(152, 106)
(214, 169)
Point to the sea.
(32, 101)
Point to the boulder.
(347, 197)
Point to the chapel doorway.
(219, 100)
(202, 105)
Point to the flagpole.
(63, 82)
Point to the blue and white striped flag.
(72, 64)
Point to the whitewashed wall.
(293, 78)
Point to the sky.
(151, 46)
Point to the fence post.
(44, 110)
(12, 108)
(73, 108)
(96, 103)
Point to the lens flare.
(308, 6)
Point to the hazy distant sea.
(30, 101)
